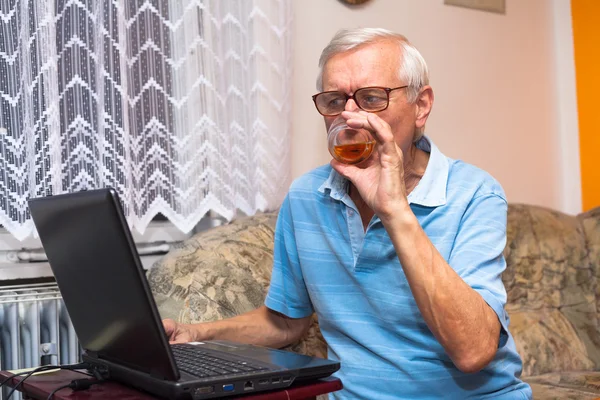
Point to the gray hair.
(413, 69)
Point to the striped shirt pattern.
(325, 262)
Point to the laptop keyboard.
(203, 364)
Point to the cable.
(44, 368)
(57, 389)
(39, 369)
(76, 385)
(22, 380)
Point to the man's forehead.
(385, 50)
(374, 64)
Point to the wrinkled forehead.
(375, 64)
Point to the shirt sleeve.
(477, 252)
(287, 292)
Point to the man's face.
(375, 64)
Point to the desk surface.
(40, 386)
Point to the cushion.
(220, 273)
(566, 385)
(591, 226)
(551, 291)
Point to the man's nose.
(351, 105)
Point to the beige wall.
(496, 81)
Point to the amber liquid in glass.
(353, 153)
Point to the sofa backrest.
(223, 272)
(551, 284)
(591, 227)
(218, 273)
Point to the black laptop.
(99, 273)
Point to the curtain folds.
(183, 106)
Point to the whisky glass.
(349, 145)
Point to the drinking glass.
(349, 145)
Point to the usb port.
(263, 382)
(204, 390)
(275, 380)
(286, 379)
(228, 387)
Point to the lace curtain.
(183, 106)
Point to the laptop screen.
(97, 268)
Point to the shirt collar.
(430, 191)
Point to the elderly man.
(400, 255)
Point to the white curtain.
(183, 106)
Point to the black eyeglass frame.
(348, 97)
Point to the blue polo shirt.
(325, 262)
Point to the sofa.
(553, 265)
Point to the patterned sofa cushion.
(220, 273)
(591, 226)
(566, 385)
(551, 291)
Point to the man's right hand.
(179, 333)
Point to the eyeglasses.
(370, 99)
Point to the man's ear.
(424, 104)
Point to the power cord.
(43, 368)
(40, 369)
(76, 385)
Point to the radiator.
(35, 328)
